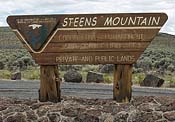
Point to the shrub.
(27, 61)
(5, 74)
(67, 67)
(138, 78)
(87, 68)
(171, 68)
(31, 74)
(108, 78)
(145, 64)
(137, 70)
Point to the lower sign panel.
(87, 58)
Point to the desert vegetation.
(158, 59)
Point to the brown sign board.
(87, 38)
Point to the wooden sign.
(87, 38)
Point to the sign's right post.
(122, 91)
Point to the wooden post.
(49, 84)
(122, 90)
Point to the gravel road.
(29, 89)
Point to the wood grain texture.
(49, 84)
(116, 35)
(96, 47)
(87, 58)
(122, 90)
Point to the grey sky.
(16, 7)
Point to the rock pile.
(73, 109)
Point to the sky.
(25, 7)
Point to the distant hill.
(163, 40)
(8, 40)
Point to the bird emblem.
(34, 26)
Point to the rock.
(121, 117)
(39, 104)
(53, 117)
(94, 77)
(16, 76)
(11, 119)
(149, 99)
(148, 107)
(72, 76)
(162, 120)
(29, 102)
(107, 68)
(43, 119)
(141, 116)
(152, 81)
(6, 101)
(170, 115)
(113, 109)
(31, 115)
(16, 108)
(70, 112)
(93, 112)
(166, 107)
(42, 111)
(85, 117)
(19, 117)
(67, 119)
(3, 107)
(106, 117)
(1, 118)
(5, 116)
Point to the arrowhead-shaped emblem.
(34, 31)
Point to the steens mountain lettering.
(111, 21)
(132, 21)
(79, 21)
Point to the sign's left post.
(49, 84)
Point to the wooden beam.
(122, 90)
(86, 58)
(49, 84)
